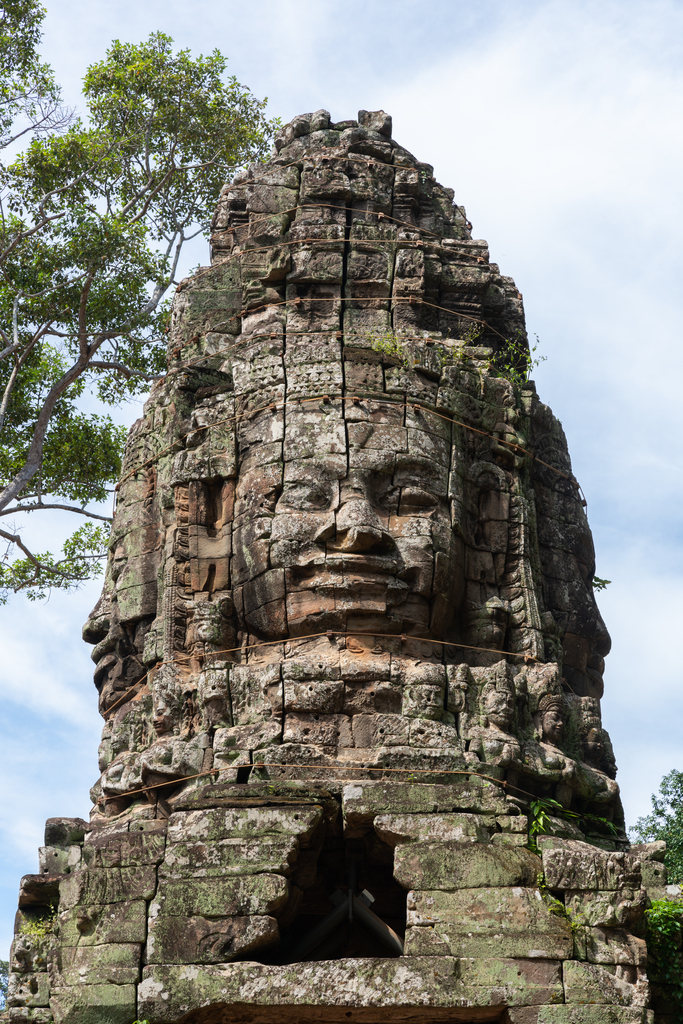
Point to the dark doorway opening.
(352, 906)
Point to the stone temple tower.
(347, 639)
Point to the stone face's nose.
(359, 528)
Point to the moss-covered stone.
(107, 885)
(464, 866)
(614, 909)
(208, 940)
(230, 856)
(112, 964)
(568, 864)
(167, 992)
(28, 990)
(220, 896)
(488, 922)
(96, 925)
(532, 982)
(131, 849)
(363, 801)
(247, 823)
(596, 1014)
(593, 983)
(94, 1004)
(26, 1015)
(408, 828)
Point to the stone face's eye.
(415, 501)
(389, 500)
(305, 496)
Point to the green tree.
(94, 216)
(665, 822)
(29, 98)
(4, 977)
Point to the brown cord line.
(331, 768)
(313, 157)
(329, 633)
(252, 339)
(348, 398)
(331, 206)
(218, 423)
(410, 300)
(125, 694)
(408, 243)
(405, 300)
(358, 632)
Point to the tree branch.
(12, 537)
(83, 346)
(35, 452)
(64, 508)
(125, 370)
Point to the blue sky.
(558, 124)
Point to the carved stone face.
(117, 652)
(499, 707)
(120, 620)
(553, 727)
(594, 746)
(163, 717)
(362, 535)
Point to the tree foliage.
(94, 215)
(665, 822)
(27, 87)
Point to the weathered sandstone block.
(454, 865)
(511, 922)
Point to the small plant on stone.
(554, 905)
(663, 944)
(540, 812)
(600, 584)
(540, 823)
(39, 927)
(471, 334)
(387, 344)
(515, 360)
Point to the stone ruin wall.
(347, 635)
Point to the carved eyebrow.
(316, 482)
(412, 463)
(308, 490)
(295, 473)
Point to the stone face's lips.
(345, 562)
(102, 667)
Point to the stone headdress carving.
(551, 702)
